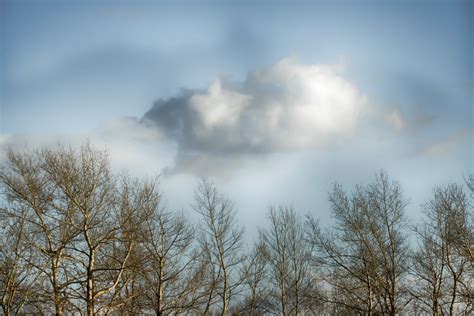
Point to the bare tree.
(77, 238)
(442, 266)
(288, 255)
(169, 269)
(79, 222)
(17, 276)
(466, 242)
(137, 203)
(106, 214)
(255, 275)
(31, 196)
(365, 253)
(221, 243)
(428, 268)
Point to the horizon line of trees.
(76, 238)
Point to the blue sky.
(75, 69)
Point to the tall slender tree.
(288, 254)
(221, 244)
(170, 271)
(255, 275)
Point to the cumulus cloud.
(286, 107)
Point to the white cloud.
(219, 107)
(288, 106)
(315, 104)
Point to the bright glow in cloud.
(219, 107)
(288, 106)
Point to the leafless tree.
(428, 268)
(79, 223)
(365, 253)
(466, 243)
(77, 238)
(221, 244)
(31, 196)
(17, 276)
(107, 214)
(443, 266)
(288, 254)
(255, 275)
(170, 273)
(137, 203)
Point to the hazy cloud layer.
(133, 146)
(286, 107)
(447, 144)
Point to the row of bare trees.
(77, 238)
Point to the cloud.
(448, 144)
(409, 119)
(395, 119)
(4, 139)
(131, 144)
(129, 129)
(287, 107)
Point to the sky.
(273, 100)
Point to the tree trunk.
(90, 284)
(57, 294)
(159, 295)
